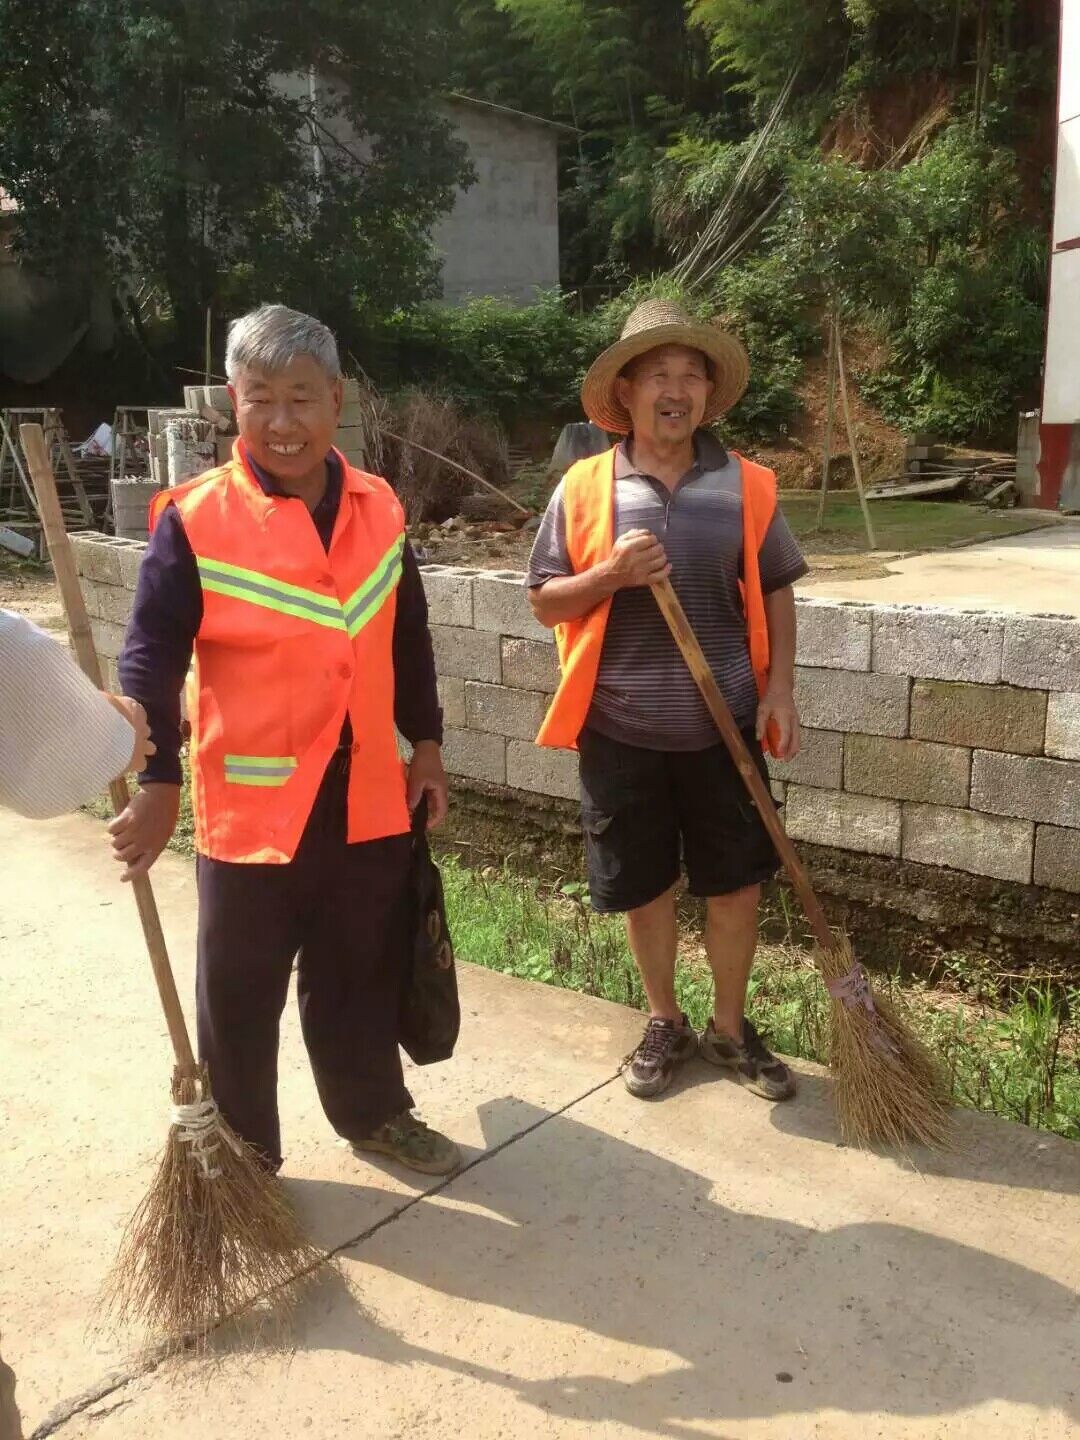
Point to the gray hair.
(269, 337)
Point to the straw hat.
(663, 322)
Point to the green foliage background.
(903, 181)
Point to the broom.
(216, 1231)
(887, 1088)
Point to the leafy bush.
(487, 356)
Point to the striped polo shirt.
(644, 693)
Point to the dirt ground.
(31, 591)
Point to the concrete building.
(502, 236)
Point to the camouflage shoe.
(750, 1061)
(665, 1044)
(415, 1145)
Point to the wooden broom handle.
(67, 578)
(698, 666)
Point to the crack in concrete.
(118, 1380)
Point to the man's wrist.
(427, 747)
(783, 685)
(606, 576)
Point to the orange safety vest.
(589, 507)
(291, 639)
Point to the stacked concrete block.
(530, 665)
(1041, 652)
(965, 840)
(1027, 786)
(946, 738)
(835, 636)
(981, 717)
(906, 769)
(1063, 725)
(863, 823)
(466, 653)
(498, 710)
(543, 772)
(852, 701)
(108, 568)
(938, 644)
(501, 606)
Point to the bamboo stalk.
(829, 415)
(852, 440)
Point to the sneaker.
(750, 1061)
(665, 1044)
(415, 1145)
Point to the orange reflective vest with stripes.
(589, 508)
(291, 639)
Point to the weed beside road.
(1015, 1057)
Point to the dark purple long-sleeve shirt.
(168, 612)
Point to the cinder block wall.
(945, 737)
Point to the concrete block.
(530, 665)
(97, 557)
(498, 710)
(834, 636)
(108, 639)
(938, 644)
(471, 654)
(544, 772)
(983, 717)
(845, 700)
(452, 700)
(502, 605)
(906, 769)
(1057, 858)
(965, 840)
(1027, 787)
(114, 603)
(820, 762)
(1063, 725)
(848, 822)
(449, 595)
(779, 791)
(131, 558)
(475, 756)
(1042, 652)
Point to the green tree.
(172, 141)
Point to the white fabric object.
(61, 742)
(200, 1127)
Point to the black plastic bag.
(430, 1010)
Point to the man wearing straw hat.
(658, 789)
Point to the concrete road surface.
(1033, 574)
(700, 1266)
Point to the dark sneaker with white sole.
(750, 1061)
(665, 1044)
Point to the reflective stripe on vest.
(259, 769)
(367, 599)
(260, 589)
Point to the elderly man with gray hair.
(288, 574)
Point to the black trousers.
(344, 910)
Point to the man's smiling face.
(287, 419)
(666, 391)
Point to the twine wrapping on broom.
(854, 990)
(199, 1125)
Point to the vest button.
(345, 671)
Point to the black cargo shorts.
(647, 813)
